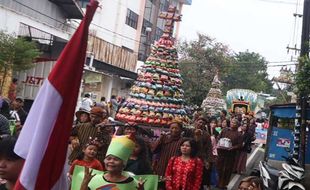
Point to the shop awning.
(108, 68)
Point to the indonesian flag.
(43, 141)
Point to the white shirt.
(14, 115)
(86, 104)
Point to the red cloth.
(95, 164)
(45, 148)
(266, 125)
(184, 175)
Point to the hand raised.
(141, 183)
(88, 175)
(75, 143)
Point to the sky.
(266, 27)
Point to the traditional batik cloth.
(166, 148)
(226, 157)
(184, 175)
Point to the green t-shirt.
(99, 183)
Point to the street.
(252, 162)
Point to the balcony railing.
(71, 8)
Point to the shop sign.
(33, 80)
(93, 78)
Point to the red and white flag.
(43, 141)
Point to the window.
(142, 56)
(164, 5)
(146, 24)
(132, 19)
(159, 33)
(83, 3)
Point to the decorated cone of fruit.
(156, 96)
(214, 102)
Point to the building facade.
(120, 33)
(45, 22)
(153, 26)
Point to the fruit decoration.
(214, 103)
(156, 98)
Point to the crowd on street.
(200, 156)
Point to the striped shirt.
(167, 148)
(83, 131)
(4, 126)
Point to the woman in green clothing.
(118, 153)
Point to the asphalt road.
(252, 162)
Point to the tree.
(249, 71)
(16, 54)
(199, 61)
(281, 98)
(303, 76)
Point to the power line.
(278, 2)
(282, 65)
(280, 61)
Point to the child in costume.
(88, 157)
(82, 116)
(118, 153)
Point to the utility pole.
(301, 104)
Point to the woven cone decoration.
(214, 102)
(156, 98)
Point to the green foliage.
(199, 62)
(303, 76)
(202, 58)
(16, 53)
(281, 98)
(248, 71)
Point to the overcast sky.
(262, 26)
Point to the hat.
(176, 121)
(131, 124)
(97, 111)
(80, 111)
(20, 98)
(121, 147)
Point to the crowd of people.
(184, 157)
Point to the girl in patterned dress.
(87, 157)
(184, 172)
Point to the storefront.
(105, 80)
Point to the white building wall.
(11, 22)
(31, 80)
(109, 22)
